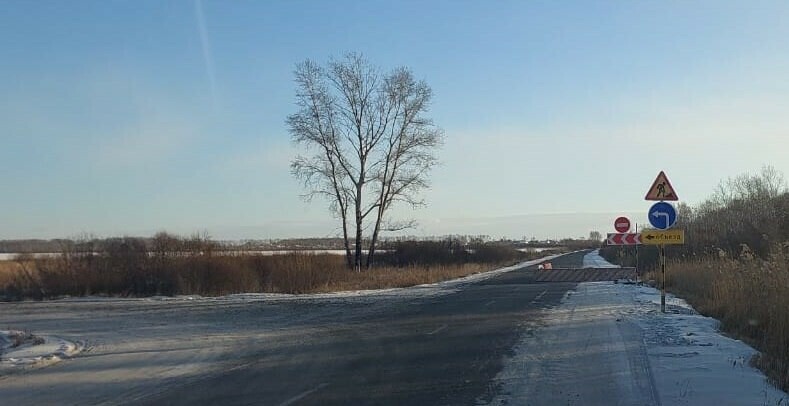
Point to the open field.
(127, 271)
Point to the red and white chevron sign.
(624, 239)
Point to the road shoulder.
(609, 341)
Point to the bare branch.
(399, 225)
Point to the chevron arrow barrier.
(623, 239)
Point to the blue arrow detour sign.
(662, 215)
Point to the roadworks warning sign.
(661, 189)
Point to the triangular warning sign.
(661, 189)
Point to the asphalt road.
(444, 350)
(511, 337)
(423, 345)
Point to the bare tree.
(368, 144)
(768, 183)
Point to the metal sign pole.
(637, 274)
(662, 216)
(663, 283)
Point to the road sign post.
(662, 216)
(661, 189)
(623, 239)
(622, 224)
(660, 237)
(638, 275)
(663, 282)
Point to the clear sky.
(129, 117)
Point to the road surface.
(444, 350)
(502, 340)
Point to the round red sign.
(622, 225)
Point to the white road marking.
(303, 395)
(539, 296)
(489, 303)
(437, 330)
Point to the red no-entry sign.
(622, 224)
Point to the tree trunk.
(371, 251)
(374, 240)
(346, 243)
(357, 261)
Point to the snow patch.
(22, 349)
(594, 260)
(693, 362)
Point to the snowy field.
(12, 256)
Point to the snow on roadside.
(21, 349)
(692, 362)
(594, 260)
(610, 341)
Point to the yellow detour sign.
(657, 237)
(661, 189)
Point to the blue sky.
(128, 117)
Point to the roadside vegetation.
(171, 265)
(735, 264)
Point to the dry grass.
(170, 265)
(390, 277)
(11, 271)
(751, 299)
(213, 275)
(8, 272)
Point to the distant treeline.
(60, 244)
(30, 246)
